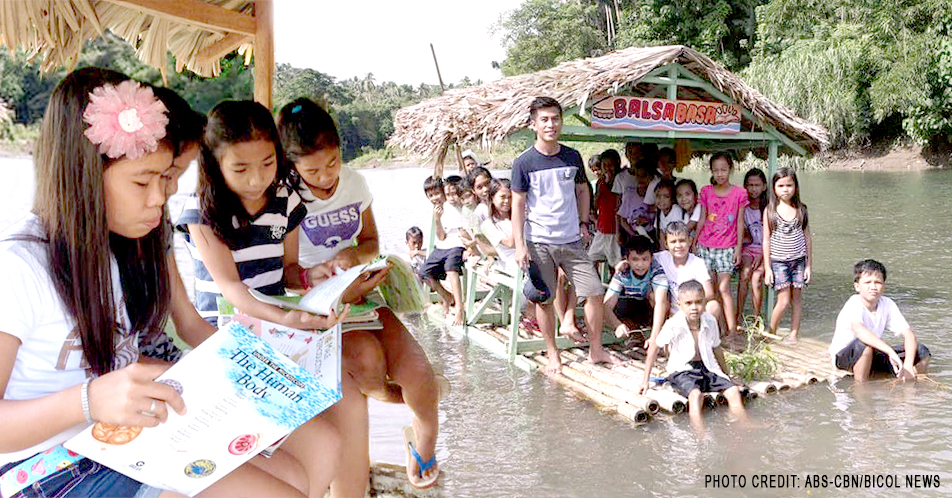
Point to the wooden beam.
(194, 13)
(264, 51)
(222, 47)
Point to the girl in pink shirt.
(720, 231)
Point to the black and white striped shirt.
(258, 250)
(787, 241)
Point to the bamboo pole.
(763, 387)
(624, 409)
(264, 51)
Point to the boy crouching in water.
(857, 343)
(695, 358)
(638, 291)
(446, 260)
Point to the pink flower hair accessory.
(125, 120)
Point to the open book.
(326, 295)
(242, 396)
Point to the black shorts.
(633, 311)
(698, 376)
(442, 261)
(848, 356)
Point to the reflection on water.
(506, 433)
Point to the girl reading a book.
(339, 232)
(242, 230)
(84, 274)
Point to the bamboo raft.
(613, 388)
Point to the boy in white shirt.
(695, 361)
(857, 343)
(680, 265)
(446, 260)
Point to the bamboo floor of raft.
(612, 388)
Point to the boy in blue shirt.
(637, 291)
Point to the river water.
(507, 433)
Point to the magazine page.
(326, 295)
(241, 396)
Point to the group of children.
(92, 281)
(673, 251)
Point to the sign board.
(638, 113)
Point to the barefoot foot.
(553, 362)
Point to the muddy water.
(507, 433)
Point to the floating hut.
(198, 33)
(672, 96)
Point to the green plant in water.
(756, 361)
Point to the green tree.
(540, 34)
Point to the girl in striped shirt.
(788, 247)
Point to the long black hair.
(70, 203)
(232, 122)
(802, 217)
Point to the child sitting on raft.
(498, 227)
(857, 343)
(446, 260)
(638, 292)
(695, 359)
(339, 233)
(680, 265)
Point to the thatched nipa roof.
(197, 32)
(492, 111)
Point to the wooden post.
(771, 169)
(264, 51)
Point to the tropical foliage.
(866, 69)
(363, 107)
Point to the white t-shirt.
(695, 214)
(496, 232)
(675, 214)
(50, 357)
(677, 333)
(886, 316)
(693, 269)
(452, 220)
(333, 224)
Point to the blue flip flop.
(409, 438)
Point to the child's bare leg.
(409, 367)
(565, 301)
(545, 316)
(594, 317)
(863, 365)
(349, 416)
(735, 402)
(743, 280)
(757, 289)
(446, 299)
(284, 467)
(456, 287)
(783, 300)
(796, 313)
(249, 480)
(727, 299)
(364, 359)
(695, 404)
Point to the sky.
(391, 38)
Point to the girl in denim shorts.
(788, 247)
